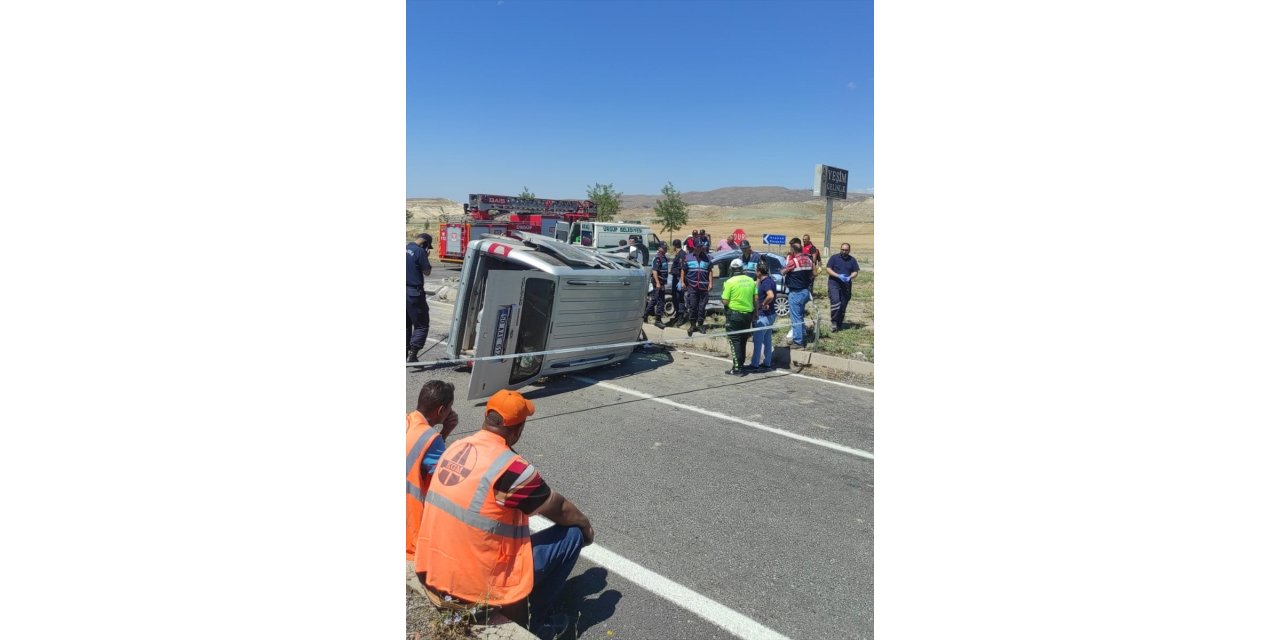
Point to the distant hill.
(733, 202)
(734, 197)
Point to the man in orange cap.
(474, 545)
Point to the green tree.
(527, 193)
(408, 215)
(608, 202)
(671, 210)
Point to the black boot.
(702, 327)
(658, 323)
(413, 355)
(690, 330)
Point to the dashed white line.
(716, 414)
(680, 595)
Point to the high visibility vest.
(749, 264)
(470, 547)
(419, 436)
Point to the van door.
(515, 317)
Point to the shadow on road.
(585, 612)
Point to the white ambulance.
(609, 236)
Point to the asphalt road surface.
(740, 513)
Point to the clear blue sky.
(559, 95)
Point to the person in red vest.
(474, 547)
(423, 445)
(809, 250)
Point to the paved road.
(775, 528)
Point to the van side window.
(535, 324)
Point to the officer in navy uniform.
(418, 318)
(677, 291)
(658, 275)
(697, 283)
(749, 259)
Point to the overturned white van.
(530, 293)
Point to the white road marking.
(798, 375)
(682, 596)
(716, 414)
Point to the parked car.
(720, 269)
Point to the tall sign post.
(830, 183)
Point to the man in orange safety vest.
(474, 546)
(423, 445)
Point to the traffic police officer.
(658, 275)
(739, 298)
(418, 318)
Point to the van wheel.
(780, 302)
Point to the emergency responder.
(739, 299)
(657, 297)
(418, 318)
(679, 313)
(799, 281)
(696, 279)
(474, 547)
(812, 251)
(842, 270)
(426, 428)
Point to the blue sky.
(559, 95)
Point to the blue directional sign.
(774, 238)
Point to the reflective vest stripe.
(418, 494)
(415, 452)
(476, 520)
(486, 480)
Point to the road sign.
(774, 238)
(830, 182)
(739, 235)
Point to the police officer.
(697, 283)
(418, 318)
(678, 290)
(739, 299)
(749, 258)
(658, 275)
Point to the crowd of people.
(749, 294)
(468, 503)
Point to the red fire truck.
(501, 215)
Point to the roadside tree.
(671, 211)
(608, 201)
(527, 193)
